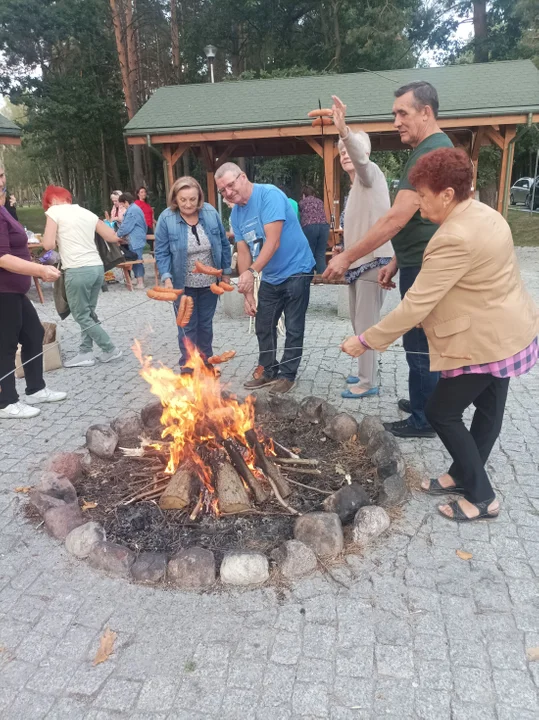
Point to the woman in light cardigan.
(480, 323)
(367, 202)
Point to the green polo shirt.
(411, 241)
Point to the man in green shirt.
(415, 111)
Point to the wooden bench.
(126, 267)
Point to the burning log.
(236, 458)
(181, 489)
(231, 492)
(267, 466)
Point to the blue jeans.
(138, 270)
(421, 382)
(318, 234)
(292, 298)
(199, 330)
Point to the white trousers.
(366, 298)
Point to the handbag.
(59, 295)
(110, 253)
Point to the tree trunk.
(480, 31)
(123, 59)
(488, 195)
(335, 7)
(175, 37)
(104, 175)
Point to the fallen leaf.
(340, 470)
(23, 489)
(463, 555)
(88, 505)
(532, 654)
(106, 646)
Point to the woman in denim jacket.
(133, 228)
(187, 231)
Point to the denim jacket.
(171, 244)
(134, 225)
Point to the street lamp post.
(210, 52)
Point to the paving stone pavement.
(408, 630)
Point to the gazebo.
(10, 133)
(479, 104)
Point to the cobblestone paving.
(409, 630)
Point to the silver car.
(520, 190)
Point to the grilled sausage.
(185, 310)
(226, 287)
(224, 357)
(321, 121)
(216, 289)
(324, 112)
(206, 269)
(167, 295)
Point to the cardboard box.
(52, 359)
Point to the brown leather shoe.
(259, 383)
(281, 386)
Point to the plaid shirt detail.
(519, 364)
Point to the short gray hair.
(363, 138)
(424, 94)
(227, 167)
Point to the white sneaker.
(81, 360)
(114, 354)
(18, 411)
(46, 396)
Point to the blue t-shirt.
(268, 204)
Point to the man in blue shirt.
(270, 244)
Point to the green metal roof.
(8, 127)
(465, 91)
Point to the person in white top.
(367, 202)
(73, 229)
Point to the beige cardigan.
(367, 202)
(469, 296)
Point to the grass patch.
(33, 218)
(525, 228)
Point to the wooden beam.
(309, 131)
(494, 137)
(9, 140)
(206, 152)
(169, 175)
(180, 150)
(210, 182)
(334, 238)
(474, 155)
(223, 157)
(329, 177)
(505, 171)
(312, 143)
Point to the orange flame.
(195, 412)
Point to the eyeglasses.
(230, 185)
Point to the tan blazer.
(469, 296)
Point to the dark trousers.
(421, 381)
(199, 330)
(19, 324)
(471, 448)
(318, 234)
(292, 298)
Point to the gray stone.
(294, 559)
(369, 523)
(60, 521)
(113, 558)
(66, 464)
(261, 403)
(284, 406)
(150, 567)
(388, 460)
(320, 531)
(244, 568)
(393, 490)
(57, 486)
(83, 539)
(316, 409)
(102, 441)
(151, 415)
(192, 569)
(341, 427)
(379, 439)
(43, 502)
(369, 427)
(85, 460)
(128, 426)
(347, 501)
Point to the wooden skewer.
(295, 461)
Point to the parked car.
(535, 196)
(520, 190)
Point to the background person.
(270, 240)
(19, 321)
(147, 209)
(133, 228)
(315, 225)
(117, 211)
(73, 229)
(415, 110)
(367, 201)
(480, 322)
(190, 230)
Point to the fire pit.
(202, 477)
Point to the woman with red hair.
(480, 322)
(73, 229)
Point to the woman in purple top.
(315, 225)
(19, 322)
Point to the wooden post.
(505, 172)
(169, 175)
(329, 172)
(209, 162)
(474, 155)
(335, 238)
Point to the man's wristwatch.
(254, 273)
